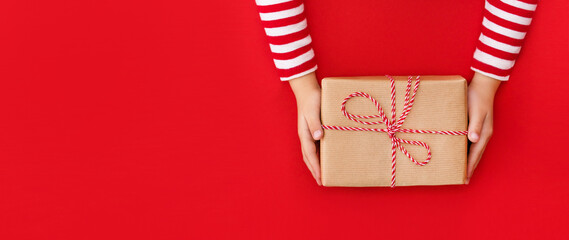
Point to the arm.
(287, 32)
(504, 28)
(286, 28)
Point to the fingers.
(314, 125)
(308, 164)
(475, 122)
(474, 156)
(309, 150)
(310, 153)
(477, 148)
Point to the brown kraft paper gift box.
(363, 159)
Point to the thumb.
(315, 126)
(475, 123)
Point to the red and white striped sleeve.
(504, 28)
(289, 39)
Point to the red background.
(166, 119)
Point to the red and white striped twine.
(392, 126)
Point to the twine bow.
(394, 125)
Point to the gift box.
(365, 143)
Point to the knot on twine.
(394, 125)
(391, 130)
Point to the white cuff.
(501, 78)
(299, 74)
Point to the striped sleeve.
(289, 39)
(504, 28)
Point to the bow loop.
(391, 126)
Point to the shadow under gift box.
(363, 159)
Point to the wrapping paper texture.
(360, 159)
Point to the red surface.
(166, 120)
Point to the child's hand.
(481, 93)
(307, 93)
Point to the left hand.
(481, 91)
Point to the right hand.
(307, 93)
